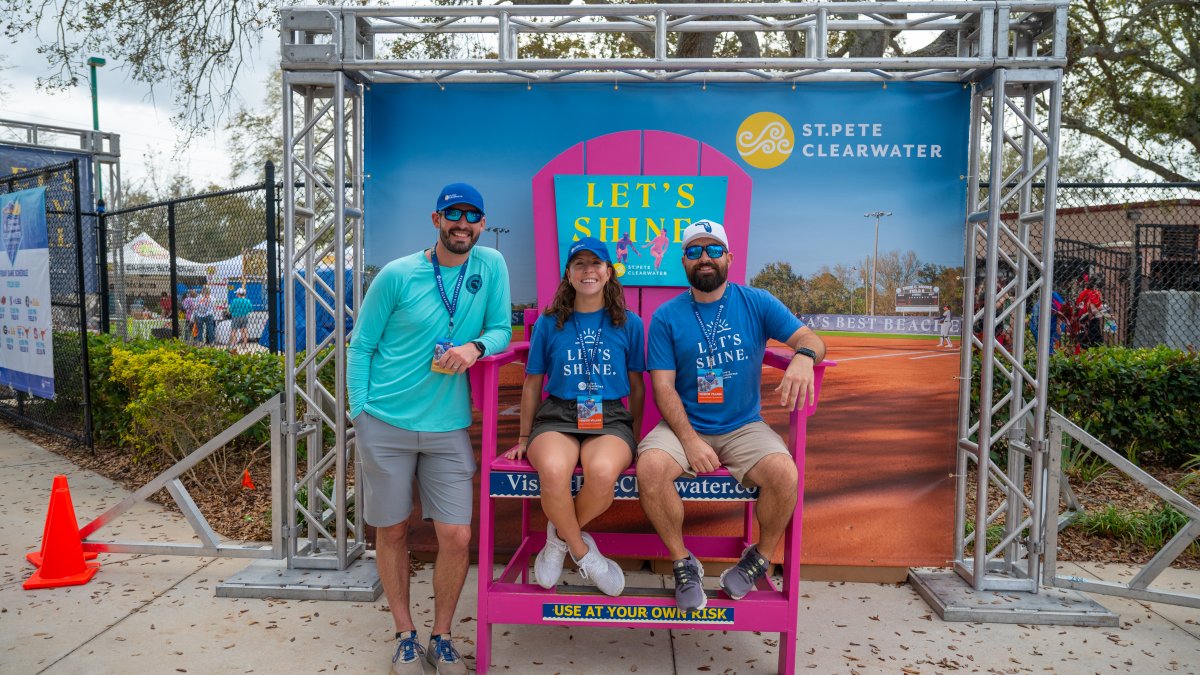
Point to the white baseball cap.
(705, 228)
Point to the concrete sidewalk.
(158, 614)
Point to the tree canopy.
(1131, 83)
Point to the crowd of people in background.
(199, 313)
(1075, 324)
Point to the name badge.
(589, 412)
(439, 350)
(710, 385)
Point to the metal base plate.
(272, 579)
(954, 600)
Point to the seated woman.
(592, 351)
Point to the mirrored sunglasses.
(714, 251)
(455, 215)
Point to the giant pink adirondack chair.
(510, 597)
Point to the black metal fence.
(1127, 263)
(68, 411)
(203, 268)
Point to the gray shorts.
(442, 462)
(739, 450)
(239, 322)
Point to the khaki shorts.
(739, 450)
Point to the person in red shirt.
(1091, 321)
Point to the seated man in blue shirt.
(705, 360)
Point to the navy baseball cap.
(589, 244)
(459, 193)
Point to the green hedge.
(1143, 402)
(243, 380)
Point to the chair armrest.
(781, 361)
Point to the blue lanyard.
(587, 356)
(710, 337)
(451, 304)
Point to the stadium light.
(498, 231)
(95, 62)
(874, 256)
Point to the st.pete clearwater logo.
(765, 140)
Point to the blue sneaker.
(740, 579)
(444, 657)
(689, 584)
(407, 659)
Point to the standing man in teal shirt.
(239, 320)
(425, 320)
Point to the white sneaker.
(548, 566)
(605, 573)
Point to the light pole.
(95, 62)
(498, 231)
(874, 256)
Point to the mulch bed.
(233, 511)
(244, 514)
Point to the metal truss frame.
(1011, 53)
(103, 147)
(1002, 428)
(323, 208)
(1138, 587)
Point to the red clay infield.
(879, 489)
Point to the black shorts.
(558, 414)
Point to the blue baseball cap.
(589, 244)
(459, 193)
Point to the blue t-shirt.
(559, 354)
(750, 317)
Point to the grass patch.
(1152, 528)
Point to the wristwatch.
(479, 345)
(807, 352)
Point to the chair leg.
(787, 652)
(483, 647)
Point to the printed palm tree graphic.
(11, 231)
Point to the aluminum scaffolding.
(1010, 53)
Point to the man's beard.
(456, 246)
(708, 283)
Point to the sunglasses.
(714, 251)
(455, 215)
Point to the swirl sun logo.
(765, 140)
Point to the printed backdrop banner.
(26, 331)
(60, 200)
(819, 157)
(640, 218)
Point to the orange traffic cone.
(247, 483)
(62, 550)
(35, 557)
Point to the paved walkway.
(158, 614)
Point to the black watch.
(807, 352)
(479, 345)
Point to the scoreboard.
(918, 299)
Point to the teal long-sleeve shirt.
(401, 319)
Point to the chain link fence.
(1126, 264)
(202, 268)
(68, 411)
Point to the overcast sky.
(141, 116)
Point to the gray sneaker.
(689, 584)
(740, 579)
(407, 659)
(548, 565)
(444, 657)
(605, 573)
